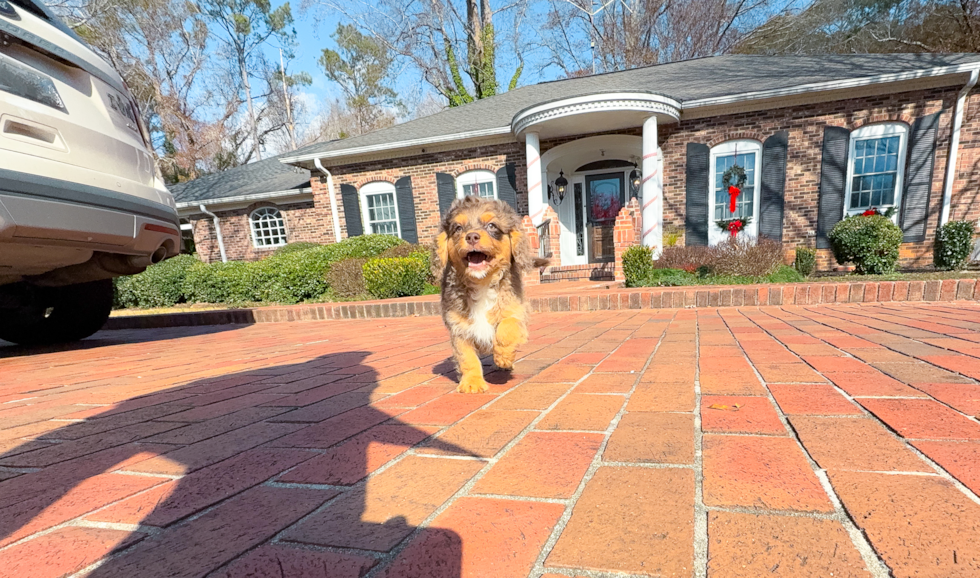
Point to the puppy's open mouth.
(477, 260)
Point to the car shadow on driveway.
(260, 473)
(108, 338)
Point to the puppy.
(480, 256)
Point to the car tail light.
(22, 80)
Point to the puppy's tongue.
(476, 259)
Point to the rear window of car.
(32, 8)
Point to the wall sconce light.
(635, 182)
(557, 194)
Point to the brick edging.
(639, 298)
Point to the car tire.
(58, 314)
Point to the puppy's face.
(480, 237)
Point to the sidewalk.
(839, 440)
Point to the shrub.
(346, 278)
(954, 243)
(403, 250)
(746, 257)
(806, 261)
(294, 247)
(871, 243)
(363, 246)
(669, 278)
(672, 235)
(232, 282)
(385, 278)
(686, 258)
(637, 264)
(161, 285)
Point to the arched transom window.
(268, 227)
(479, 183)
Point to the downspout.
(954, 145)
(217, 230)
(333, 198)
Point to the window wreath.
(734, 179)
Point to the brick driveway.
(823, 441)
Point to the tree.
(452, 42)
(362, 69)
(584, 36)
(868, 26)
(243, 27)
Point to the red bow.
(870, 212)
(734, 227)
(733, 192)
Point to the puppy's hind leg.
(511, 332)
(469, 367)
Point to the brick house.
(601, 162)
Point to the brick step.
(612, 299)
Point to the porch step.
(589, 272)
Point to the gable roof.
(691, 83)
(265, 176)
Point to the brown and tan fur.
(483, 304)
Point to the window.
(482, 183)
(877, 163)
(187, 237)
(748, 155)
(268, 227)
(379, 210)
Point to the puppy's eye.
(457, 229)
(492, 228)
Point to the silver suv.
(81, 200)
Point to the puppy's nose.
(472, 238)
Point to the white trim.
(954, 145)
(873, 131)
(831, 85)
(251, 226)
(378, 188)
(248, 198)
(476, 177)
(729, 148)
(600, 102)
(397, 145)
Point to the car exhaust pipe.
(100, 266)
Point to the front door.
(605, 196)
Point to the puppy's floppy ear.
(522, 254)
(440, 254)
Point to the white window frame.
(729, 148)
(252, 222)
(872, 131)
(378, 188)
(476, 177)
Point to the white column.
(535, 193)
(652, 188)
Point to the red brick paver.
(339, 448)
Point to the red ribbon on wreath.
(733, 193)
(870, 212)
(735, 226)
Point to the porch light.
(561, 183)
(634, 181)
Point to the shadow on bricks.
(260, 473)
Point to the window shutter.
(774, 152)
(446, 189)
(696, 207)
(833, 173)
(507, 185)
(406, 209)
(352, 210)
(918, 177)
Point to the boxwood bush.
(232, 282)
(161, 285)
(637, 264)
(806, 261)
(871, 243)
(954, 243)
(385, 278)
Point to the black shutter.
(406, 209)
(446, 189)
(507, 185)
(352, 210)
(833, 173)
(696, 207)
(773, 185)
(918, 177)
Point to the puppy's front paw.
(504, 359)
(472, 385)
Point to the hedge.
(954, 243)
(870, 242)
(388, 277)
